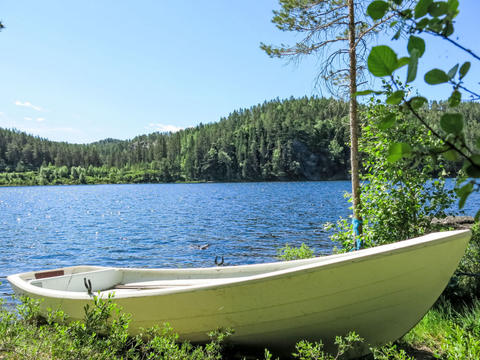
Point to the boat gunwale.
(325, 262)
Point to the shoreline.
(173, 182)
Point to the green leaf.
(438, 8)
(402, 62)
(387, 121)
(412, 66)
(475, 159)
(397, 34)
(464, 69)
(467, 188)
(417, 102)
(398, 150)
(422, 8)
(422, 24)
(365, 92)
(477, 216)
(448, 29)
(450, 155)
(382, 61)
(451, 73)
(455, 99)
(453, 7)
(415, 42)
(452, 123)
(396, 98)
(398, 2)
(473, 171)
(463, 193)
(436, 76)
(435, 25)
(461, 202)
(477, 143)
(377, 9)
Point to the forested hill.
(288, 140)
(294, 139)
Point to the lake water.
(163, 225)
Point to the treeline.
(294, 139)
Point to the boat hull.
(379, 293)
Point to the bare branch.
(317, 14)
(371, 28)
(474, 95)
(433, 33)
(331, 23)
(308, 49)
(333, 73)
(454, 43)
(318, 27)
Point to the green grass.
(444, 333)
(448, 333)
(102, 335)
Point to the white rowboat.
(380, 293)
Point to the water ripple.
(162, 225)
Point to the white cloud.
(28, 104)
(52, 133)
(40, 119)
(164, 128)
(27, 118)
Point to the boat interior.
(94, 279)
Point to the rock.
(314, 166)
(457, 222)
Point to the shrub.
(465, 284)
(288, 252)
(102, 335)
(398, 199)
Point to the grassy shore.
(446, 332)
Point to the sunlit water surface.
(163, 225)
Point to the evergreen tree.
(337, 30)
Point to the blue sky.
(85, 71)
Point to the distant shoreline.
(19, 184)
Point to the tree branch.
(317, 14)
(363, 33)
(475, 95)
(333, 22)
(454, 43)
(433, 33)
(437, 135)
(308, 49)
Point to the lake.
(163, 225)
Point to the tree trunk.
(354, 128)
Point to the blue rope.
(356, 230)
